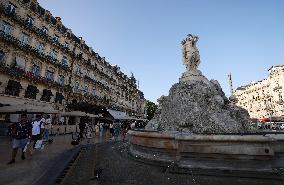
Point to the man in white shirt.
(37, 129)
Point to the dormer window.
(44, 30)
(55, 38)
(29, 21)
(66, 45)
(11, 8)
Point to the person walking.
(21, 132)
(47, 128)
(111, 130)
(82, 127)
(123, 131)
(37, 130)
(116, 127)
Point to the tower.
(230, 83)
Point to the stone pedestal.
(194, 76)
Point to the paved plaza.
(44, 163)
(114, 163)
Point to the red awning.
(263, 120)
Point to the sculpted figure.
(191, 57)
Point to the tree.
(151, 109)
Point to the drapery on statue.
(191, 57)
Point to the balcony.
(32, 50)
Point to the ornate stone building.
(42, 62)
(264, 98)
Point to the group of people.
(25, 132)
(118, 128)
(26, 135)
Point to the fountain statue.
(196, 126)
(196, 104)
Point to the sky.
(241, 37)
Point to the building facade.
(264, 98)
(42, 62)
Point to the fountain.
(196, 125)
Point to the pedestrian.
(82, 126)
(97, 129)
(37, 130)
(102, 126)
(123, 130)
(116, 127)
(47, 127)
(21, 133)
(111, 129)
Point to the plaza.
(141, 93)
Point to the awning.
(27, 108)
(116, 114)
(128, 118)
(140, 119)
(92, 115)
(74, 113)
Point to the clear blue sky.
(244, 37)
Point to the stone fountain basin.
(250, 152)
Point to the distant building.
(263, 98)
(43, 63)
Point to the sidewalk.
(33, 168)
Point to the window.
(66, 45)
(49, 75)
(11, 8)
(6, 28)
(20, 62)
(35, 70)
(78, 70)
(53, 54)
(41, 47)
(59, 97)
(76, 86)
(2, 55)
(55, 38)
(44, 30)
(61, 80)
(29, 21)
(24, 39)
(280, 97)
(64, 61)
(86, 89)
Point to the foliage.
(151, 109)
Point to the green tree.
(151, 109)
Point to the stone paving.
(118, 167)
(34, 168)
